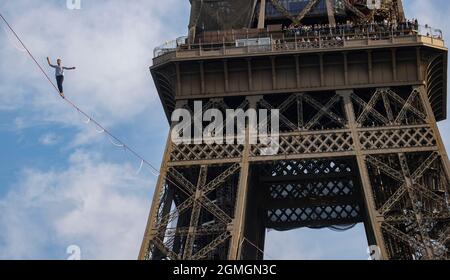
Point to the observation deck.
(253, 41)
(309, 58)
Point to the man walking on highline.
(59, 73)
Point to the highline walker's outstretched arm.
(49, 63)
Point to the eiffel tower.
(360, 92)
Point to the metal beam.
(372, 213)
(305, 11)
(241, 200)
(325, 111)
(295, 20)
(387, 206)
(353, 9)
(330, 12)
(195, 214)
(212, 246)
(262, 14)
(369, 109)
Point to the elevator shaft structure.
(359, 99)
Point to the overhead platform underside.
(214, 15)
(221, 15)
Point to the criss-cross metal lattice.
(314, 180)
(397, 138)
(386, 107)
(205, 219)
(413, 209)
(316, 216)
(313, 193)
(387, 9)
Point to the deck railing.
(295, 39)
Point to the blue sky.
(61, 182)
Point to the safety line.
(111, 136)
(11, 40)
(257, 248)
(100, 129)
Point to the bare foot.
(62, 95)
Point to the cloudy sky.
(63, 183)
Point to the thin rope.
(112, 138)
(12, 40)
(87, 120)
(29, 53)
(100, 131)
(140, 168)
(115, 144)
(257, 248)
(67, 100)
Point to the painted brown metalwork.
(359, 140)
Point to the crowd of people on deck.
(351, 28)
(317, 35)
(325, 35)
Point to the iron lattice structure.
(359, 143)
(207, 15)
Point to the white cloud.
(19, 123)
(95, 204)
(317, 244)
(100, 206)
(49, 139)
(10, 98)
(110, 42)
